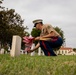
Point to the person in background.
(48, 39)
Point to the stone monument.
(16, 46)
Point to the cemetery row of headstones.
(16, 48)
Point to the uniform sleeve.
(49, 28)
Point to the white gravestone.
(39, 51)
(21, 51)
(43, 53)
(16, 46)
(2, 51)
(32, 53)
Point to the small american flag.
(28, 42)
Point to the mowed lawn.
(37, 65)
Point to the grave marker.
(32, 53)
(16, 46)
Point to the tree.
(35, 32)
(0, 4)
(11, 24)
(60, 32)
(74, 49)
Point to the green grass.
(37, 65)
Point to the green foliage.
(60, 32)
(37, 65)
(1, 1)
(74, 49)
(62, 35)
(35, 32)
(11, 24)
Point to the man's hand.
(37, 38)
(29, 51)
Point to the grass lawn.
(37, 65)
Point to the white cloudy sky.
(61, 13)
